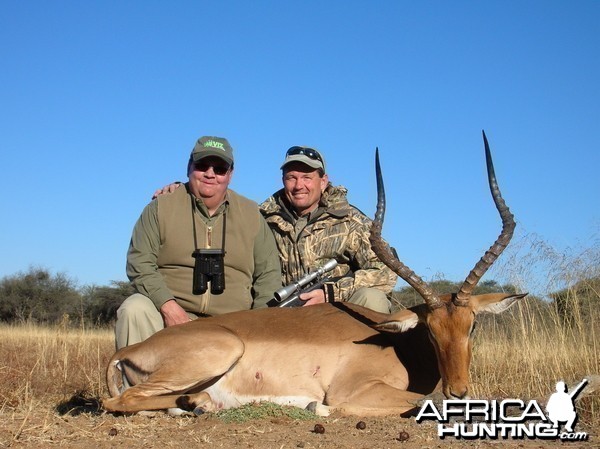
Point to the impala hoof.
(311, 407)
(437, 397)
(318, 409)
(176, 411)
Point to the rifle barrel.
(288, 290)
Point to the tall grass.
(550, 336)
(524, 354)
(40, 363)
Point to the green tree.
(102, 302)
(38, 296)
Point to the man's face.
(209, 178)
(303, 186)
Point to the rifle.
(573, 394)
(289, 296)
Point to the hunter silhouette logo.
(507, 418)
(561, 405)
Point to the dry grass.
(54, 373)
(51, 378)
(37, 363)
(524, 354)
(520, 355)
(527, 350)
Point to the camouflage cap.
(306, 155)
(212, 146)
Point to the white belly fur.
(224, 398)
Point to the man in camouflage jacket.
(313, 222)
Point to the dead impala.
(335, 356)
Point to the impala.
(326, 357)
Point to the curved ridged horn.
(508, 227)
(383, 251)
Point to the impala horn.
(508, 227)
(383, 251)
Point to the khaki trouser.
(371, 298)
(137, 319)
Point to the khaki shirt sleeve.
(142, 257)
(267, 267)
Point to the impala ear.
(495, 302)
(400, 322)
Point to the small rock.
(361, 425)
(319, 428)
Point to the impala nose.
(459, 393)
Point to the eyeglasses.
(309, 152)
(219, 169)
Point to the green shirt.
(160, 263)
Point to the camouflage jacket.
(335, 230)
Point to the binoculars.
(209, 266)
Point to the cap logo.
(214, 144)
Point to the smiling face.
(303, 186)
(209, 179)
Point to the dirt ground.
(62, 425)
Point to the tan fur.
(330, 354)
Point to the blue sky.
(103, 101)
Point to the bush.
(38, 296)
(102, 302)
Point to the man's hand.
(313, 297)
(173, 313)
(170, 188)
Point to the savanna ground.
(51, 381)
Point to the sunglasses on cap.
(309, 152)
(219, 168)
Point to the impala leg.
(136, 399)
(187, 366)
(377, 399)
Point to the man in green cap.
(204, 250)
(312, 222)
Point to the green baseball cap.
(212, 146)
